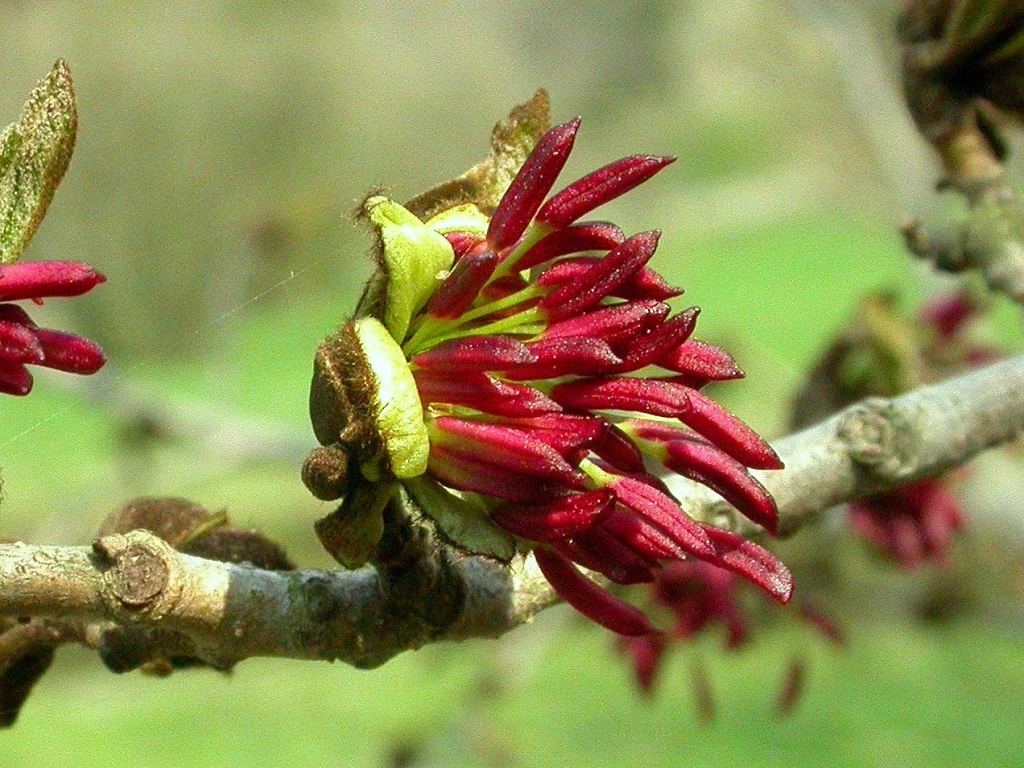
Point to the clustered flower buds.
(490, 371)
(22, 342)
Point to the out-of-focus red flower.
(699, 596)
(913, 524)
(883, 353)
(22, 342)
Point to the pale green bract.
(416, 259)
(398, 412)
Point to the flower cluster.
(913, 524)
(699, 596)
(24, 343)
(505, 358)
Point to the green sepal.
(397, 410)
(415, 257)
(463, 519)
(34, 155)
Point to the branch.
(989, 238)
(421, 592)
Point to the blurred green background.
(222, 147)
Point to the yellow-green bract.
(398, 412)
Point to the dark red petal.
(568, 269)
(613, 324)
(642, 537)
(502, 446)
(12, 313)
(39, 279)
(701, 361)
(756, 564)
(619, 450)
(589, 599)
(662, 511)
(648, 284)
(947, 315)
(15, 379)
(646, 652)
(728, 433)
(18, 344)
(565, 356)
(503, 286)
(906, 542)
(708, 465)
(566, 433)
(483, 392)
(867, 524)
(556, 520)
(601, 279)
(468, 474)
(462, 285)
(601, 551)
(462, 242)
(587, 236)
(941, 517)
(597, 188)
(659, 398)
(531, 185)
(644, 284)
(69, 353)
(828, 628)
(477, 354)
(646, 349)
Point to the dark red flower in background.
(22, 342)
(883, 352)
(698, 597)
(916, 523)
(913, 524)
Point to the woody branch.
(424, 592)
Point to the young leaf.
(34, 154)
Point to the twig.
(420, 593)
(990, 238)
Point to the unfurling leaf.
(34, 154)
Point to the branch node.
(867, 432)
(138, 569)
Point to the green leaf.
(34, 154)
(415, 257)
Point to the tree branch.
(422, 592)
